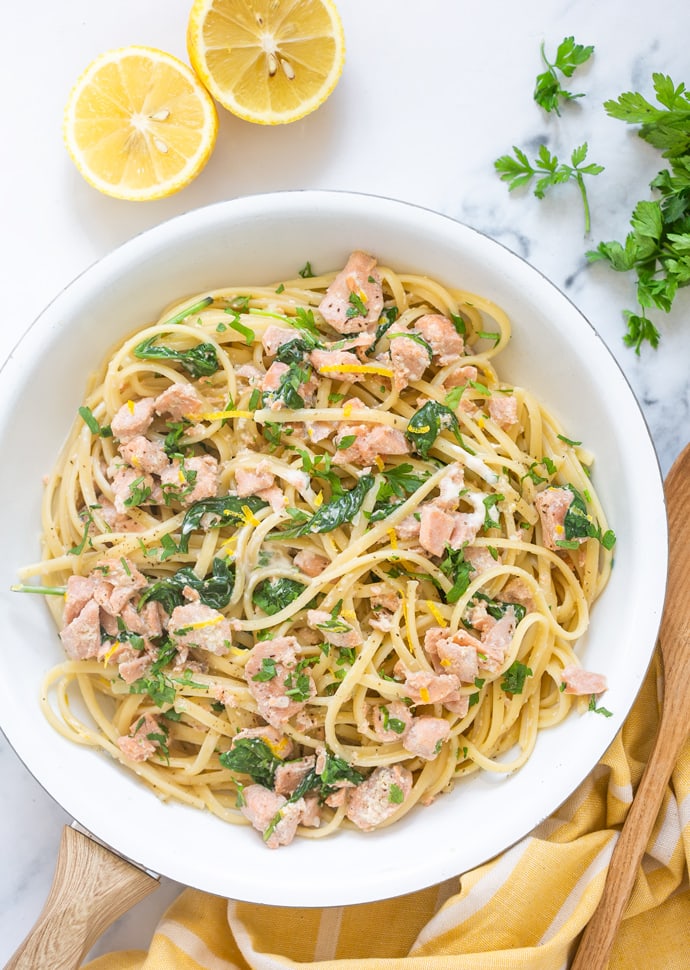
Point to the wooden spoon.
(597, 940)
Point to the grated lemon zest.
(318, 500)
(446, 662)
(422, 430)
(424, 695)
(249, 517)
(356, 369)
(109, 653)
(347, 409)
(130, 405)
(393, 538)
(379, 463)
(436, 613)
(277, 747)
(200, 624)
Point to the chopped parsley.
(514, 678)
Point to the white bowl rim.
(393, 877)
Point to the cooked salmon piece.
(273, 376)
(77, 594)
(322, 360)
(146, 622)
(460, 376)
(439, 332)
(356, 288)
(517, 591)
(199, 625)
(191, 479)
(250, 481)
(81, 638)
(453, 653)
(394, 713)
(466, 525)
(133, 418)
(117, 582)
(503, 409)
(496, 640)
(383, 596)
(579, 681)
(179, 401)
(360, 344)
(265, 809)
(408, 528)
(144, 454)
(315, 431)
(481, 559)
(125, 481)
(425, 737)
(424, 687)
(435, 529)
(370, 441)
(117, 521)
(409, 360)
(270, 664)
(310, 563)
(274, 496)
(552, 505)
(381, 620)
(135, 667)
(251, 374)
(289, 775)
(479, 618)
(137, 746)
(379, 796)
(274, 337)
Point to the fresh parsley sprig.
(657, 248)
(548, 90)
(518, 171)
(666, 127)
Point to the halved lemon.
(267, 61)
(139, 124)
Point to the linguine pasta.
(313, 560)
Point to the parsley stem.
(46, 590)
(585, 201)
(194, 308)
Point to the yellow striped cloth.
(523, 909)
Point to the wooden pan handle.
(92, 887)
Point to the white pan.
(554, 351)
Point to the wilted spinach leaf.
(199, 361)
(215, 590)
(220, 511)
(273, 595)
(426, 424)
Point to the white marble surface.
(432, 93)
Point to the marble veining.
(431, 95)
